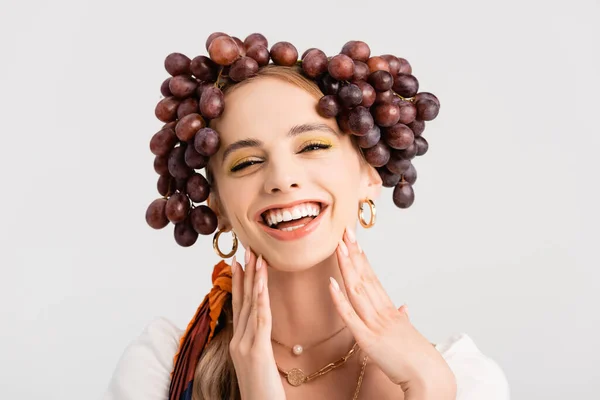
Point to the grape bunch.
(375, 99)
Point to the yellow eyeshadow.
(323, 141)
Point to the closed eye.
(307, 148)
(315, 146)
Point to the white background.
(501, 242)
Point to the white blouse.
(143, 372)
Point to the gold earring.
(216, 244)
(361, 216)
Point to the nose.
(283, 175)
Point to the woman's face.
(288, 182)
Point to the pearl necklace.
(298, 349)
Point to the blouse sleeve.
(478, 377)
(144, 370)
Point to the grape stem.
(218, 83)
(411, 99)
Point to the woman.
(305, 317)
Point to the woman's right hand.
(250, 348)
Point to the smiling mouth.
(291, 218)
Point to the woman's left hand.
(384, 332)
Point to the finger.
(237, 290)
(249, 273)
(348, 314)
(251, 325)
(264, 322)
(366, 274)
(355, 288)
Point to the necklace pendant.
(296, 377)
(297, 350)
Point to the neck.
(302, 309)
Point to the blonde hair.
(215, 376)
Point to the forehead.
(264, 107)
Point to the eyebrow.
(294, 131)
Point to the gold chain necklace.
(297, 377)
(298, 349)
(360, 378)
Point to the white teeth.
(292, 228)
(275, 216)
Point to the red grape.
(357, 50)
(164, 88)
(377, 155)
(182, 86)
(284, 53)
(163, 141)
(399, 136)
(404, 195)
(307, 51)
(177, 64)
(188, 126)
(212, 37)
(240, 45)
(328, 106)
(409, 153)
(427, 96)
(422, 145)
(187, 106)
(341, 67)
(212, 102)
(417, 126)
(329, 85)
(184, 234)
(389, 179)
(243, 68)
(410, 175)
(368, 93)
(254, 39)
(155, 214)
(384, 97)
(398, 165)
(393, 62)
(427, 110)
(350, 95)
(165, 185)
(406, 85)
(360, 121)
(160, 165)
(315, 63)
(224, 50)
(260, 54)
(166, 109)
(176, 163)
(408, 111)
(381, 80)
(204, 69)
(202, 87)
(378, 64)
(342, 119)
(405, 67)
(361, 71)
(193, 159)
(177, 207)
(197, 188)
(203, 220)
(206, 142)
(370, 139)
(386, 114)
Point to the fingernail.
(259, 262)
(351, 235)
(343, 248)
(334, 283)
(233, 266)
(261, 285)
(247, 255)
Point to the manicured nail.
(334, 283)
(247, 255)
(233, 266)
(351, 235)
(343, 248)
(259, 262)
(261, 285)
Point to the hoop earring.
(216, 244)
(361, 216)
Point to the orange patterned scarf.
(199, 332)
